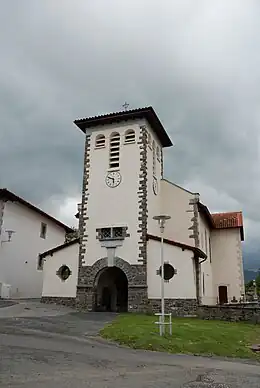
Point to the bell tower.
(123, 167)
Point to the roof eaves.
(206, 212)
(10, 196)
(239, 216)
(58, 248)
(178, 186)
(197, 251)
(147, 113)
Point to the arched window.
(149, 140)
(100, 141)
(129, 136)
(114, 150)
(158, 153)
(154, 159)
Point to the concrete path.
(30, 308)
(60, 349)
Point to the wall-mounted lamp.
(9, 236)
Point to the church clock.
(113, 179)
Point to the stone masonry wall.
(83, 217)
(230, 313)
(194, 228)
(137, 288)
(178, 307)
(142, 198)
(71, 302)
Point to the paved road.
(60, 349)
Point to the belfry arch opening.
(111, 286)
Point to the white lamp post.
(161, 221)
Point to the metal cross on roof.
(125, 105)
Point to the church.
(115, 264)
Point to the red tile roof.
(228, 220)
(223, 220)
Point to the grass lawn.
(189, 336)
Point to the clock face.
(155, 186)
(113, 179)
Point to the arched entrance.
(111, 290)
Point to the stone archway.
(111, 289)
(87, 295)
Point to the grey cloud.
(197, 63)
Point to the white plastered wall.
(52, 284)
(111, 207)
(227, 262)
(19, 257)
(206, 278)
(175, 202)
(183, 285)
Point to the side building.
(25, 232)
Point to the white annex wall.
(227, 262)
(183, 284)
(207, 293)
(175, 202)
(110, 207)
(52, 284)
(19, 258)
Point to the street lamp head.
(161, 217)
(161, 221)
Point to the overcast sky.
(197, 62)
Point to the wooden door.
(222, 294)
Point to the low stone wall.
(178, 307)
(70, 302)
(234, 313)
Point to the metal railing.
(163, 322)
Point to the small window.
(130, 136)
(100, 141)
(206, 242)
(168, 270)
(105, 233)
(43, 230)
(117, 232)
(40, 263)
(63, 272)
(112, 233)
(114, 150)
(203, 283)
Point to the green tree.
(249, 287)
(72, 235)
(257, 280)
